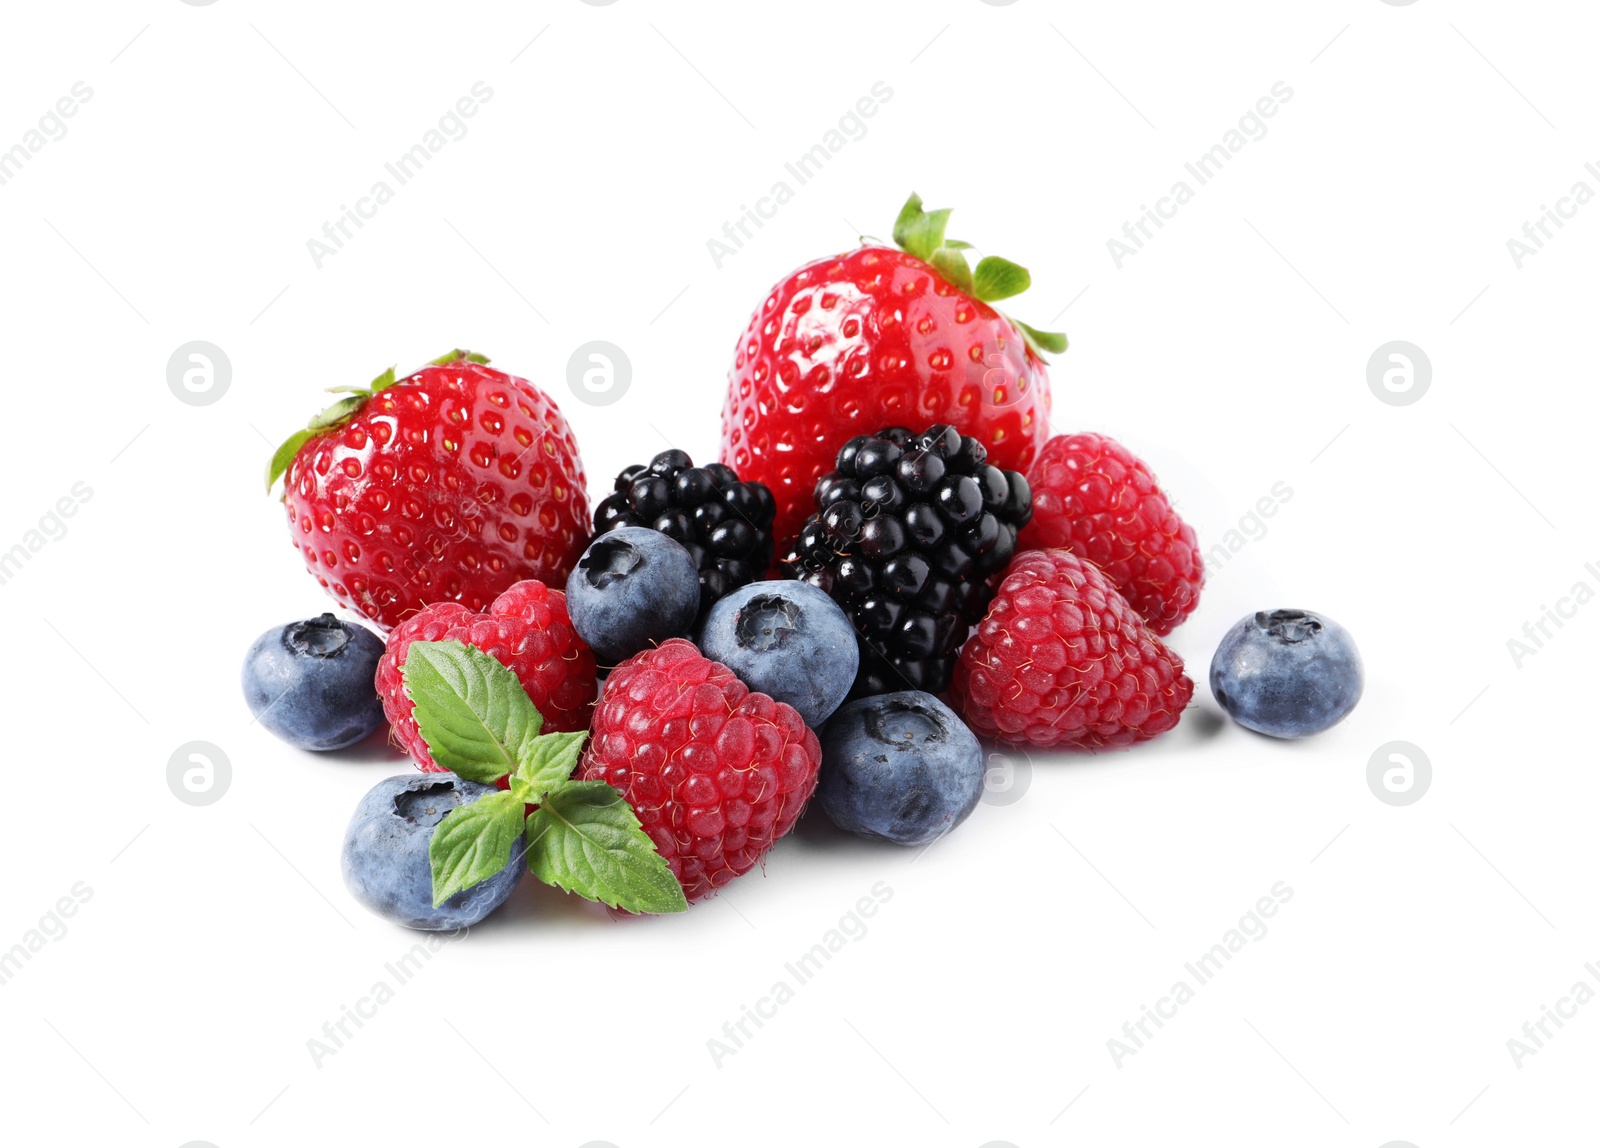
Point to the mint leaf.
(473, 712)
(952, 266)
(996, 278)
(548, 763)
(920, 232)
(284, 455)
(1041, 341)
(472, 843)
(586, 839)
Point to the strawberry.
(448, 485)
(879, 337)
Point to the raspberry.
(724, 524)
(909, 531)
(715, 772)
(1062, 659)
(1093, 497)
(526, 629)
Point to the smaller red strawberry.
(526, 629)
(1061, 659)
(1093, 497)
(715, 772)
(448, 485)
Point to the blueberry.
(311, 683)
(788, 640)
(631, 589)
(385, 858)
(1287, 673)
(899, 767)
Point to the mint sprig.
(479, 722)
(921, 233)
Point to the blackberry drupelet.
(725, 524)
(908, 534)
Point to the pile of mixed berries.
(635, 705)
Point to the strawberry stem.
(344, 409)
(922, 234)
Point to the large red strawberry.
(883, 337)
(446, 486)
(527, 630)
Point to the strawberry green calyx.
(340, 411)
(344, 409)
(921, 233)
(456, 356)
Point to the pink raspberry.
(525, 629)
(715, 772)
(1061, 659)
(1093, 497)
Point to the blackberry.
(908, 534)
(725, 524)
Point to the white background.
(1231, 353)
